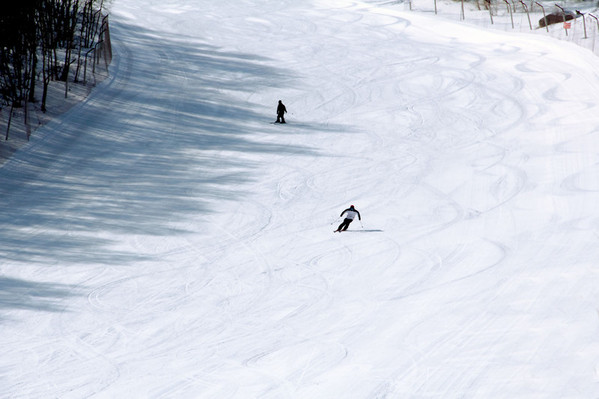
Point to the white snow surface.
(164, 240)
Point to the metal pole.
(509, 8)
(564, 14)
(544, 16)
(527, 13)
(595, 35)
(584, 24)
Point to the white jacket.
(350, 214)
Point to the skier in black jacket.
(351, 214)
(281, 110)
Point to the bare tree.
(17, 55)
(46, 29)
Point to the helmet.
(351, 206)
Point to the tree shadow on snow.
(21, 294)
(167, 135)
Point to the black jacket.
(281, 109)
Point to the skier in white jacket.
(350, 215)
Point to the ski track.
(180, 246)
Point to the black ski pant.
(281, 117)
(344, 225)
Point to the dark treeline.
(44, 40)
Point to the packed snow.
(163, 239)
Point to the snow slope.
(164, 240)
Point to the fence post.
(564, 14)
(527, 13)
(544, 16)
(596, 33)
(108, 45)
(584, 24)
(509, 8)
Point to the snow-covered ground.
(164, 240)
